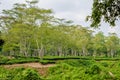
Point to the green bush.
(105, 64)
(19, 74)
(47, 62)
(3, 59)
(3, 74)
(79, 70)
(78, 63)
(95, 69)
(27, 74)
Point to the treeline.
(27, 30)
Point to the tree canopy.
(106, 10)
(27, 30)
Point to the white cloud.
(112, 30)
(75, 10)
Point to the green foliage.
(69, 70)
(73, 61)
(94, 69)
(78, 63)
(3, 73)
(14, 61)
(104, 64)
(3, 59)
(19, 74)
(28, 74)
(109, 10)
(19, 60)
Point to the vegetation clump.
(19, 74)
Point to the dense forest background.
(27, 30)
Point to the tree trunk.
(95, 53)
(84, 51)
(40, 50)
(72, 52)
(112, 53)
(59, 51)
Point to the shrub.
(3, 59)
(19, 74)
(105, 64)
(95, 69)
(28, 74)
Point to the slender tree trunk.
(22, 51)
(25, 48)
(40, 50)
(72, 52)
(75, 52)
(28, 49)
(112, 53)
(95, 53)
(60, 51)
(84, 51)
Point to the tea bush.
(19, 74)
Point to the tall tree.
(112, 44)
(98, 44)
(20, 24)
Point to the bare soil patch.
(42, 69)
(33, 65)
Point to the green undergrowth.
(71, 69)
(85, 70)
(19, 74)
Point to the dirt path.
(33, 65)
(42, 69)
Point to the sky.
(75, 10)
